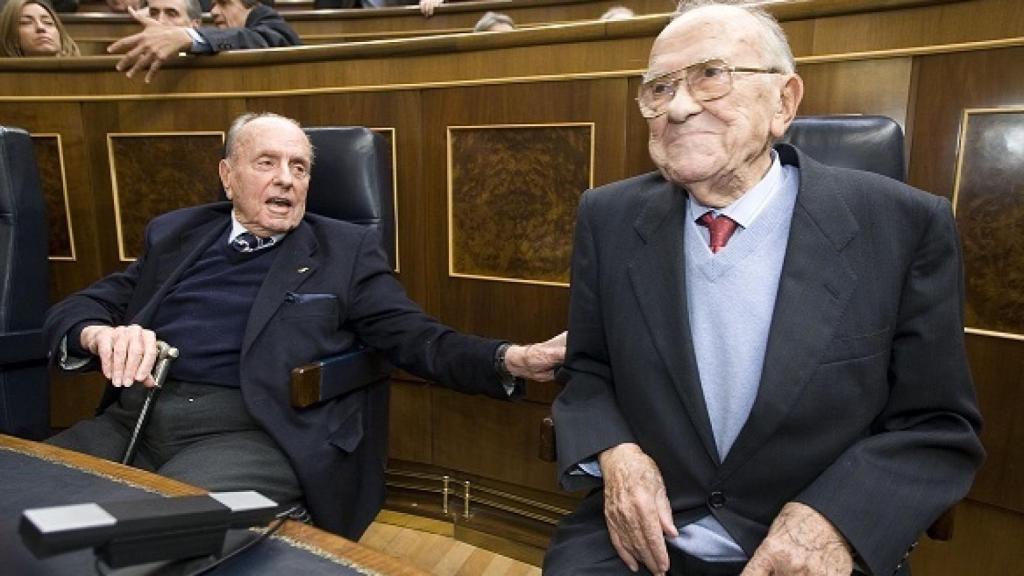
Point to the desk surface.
(35, 475)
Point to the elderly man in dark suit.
(237, 25)
(766, 364)
(248, 290)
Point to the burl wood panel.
(998, 369)
(51, 179)
(990, 214)
(513, 193)
(154, 174)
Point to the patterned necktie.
(721, 229)
(248, 242)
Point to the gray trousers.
(197, 433)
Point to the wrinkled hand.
(636, 507)
(801, 542)
(427, 6)
(127, 353)
(149, 49)
(536, 362)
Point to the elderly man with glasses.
(766, 364)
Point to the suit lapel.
(292, 266)
(814, 288)
(657, 274)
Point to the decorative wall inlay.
(53, 181)
(391, 135)
(512, 196)
(988, 198)
(153, 173)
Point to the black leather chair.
(869, 143)
(352, 181)
(24, 286)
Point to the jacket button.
(716, 499)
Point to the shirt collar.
(237, 228)
(745, 209)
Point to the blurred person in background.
(175, 12)
(32, 28)
(237, 25)
(617, 13)
(494, 22)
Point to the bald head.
(726, 90)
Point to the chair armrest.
(337, 375)
(22, 346)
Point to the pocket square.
(297, 298)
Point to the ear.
(224, 169)
(789, 100)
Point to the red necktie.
(721, 229)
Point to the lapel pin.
(303, 270)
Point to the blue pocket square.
(296, 298)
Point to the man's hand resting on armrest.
(801, 541)
(126, 353)
(536, 362)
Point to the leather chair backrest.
(24, 289)
(352, 179)
(24, 240)
(870, 143)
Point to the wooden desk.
(68, 477)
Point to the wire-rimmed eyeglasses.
(706, 80)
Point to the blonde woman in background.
(31, 28)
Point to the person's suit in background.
(330, 283)
(264, 28)
(865, 409)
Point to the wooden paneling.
(577, 73)
(998, 368)
(483, 436)
(411, 436)
(155, 173)
(986, 541)
(50, 161)
(989, 204)
(859, 87)
(512, 194)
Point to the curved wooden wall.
(520, 121)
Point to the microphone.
(144, 530)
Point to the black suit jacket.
(865, 409)
(357, 296)
(264, 28)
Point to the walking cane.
(165, 355)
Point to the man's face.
(267, 176)
(723, 144)
(229, 13)
(37, 32)
(171, 12)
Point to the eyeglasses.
(707, 80)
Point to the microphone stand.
(165, 355)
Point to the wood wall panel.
(860, 87)
(989, 204)
(576, 73)
(156, 173)
(50, 162)
(987, 541)
(512, 194)
(998, 368)
(482, 436)
(411, 412)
